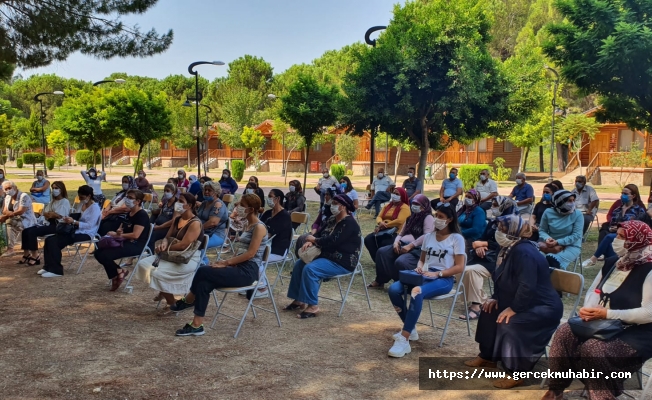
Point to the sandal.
(117, 281)
(375, 285)
(472, 315)
(37, 261)
(306, 315)
(24, 260)
(293, 307)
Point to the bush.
(338, 171)
(349, 172)
(501, 173)
(237, 169)
(3, 159)
(85, 157)
(50, 163)
(19, 162)
(470, 174)
(33, 158)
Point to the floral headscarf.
(468, 209)
(504, 203)
(638, 242)
(517, 229)
(414, 223)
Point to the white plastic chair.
(253, 287)
(146, 252)
(358, 270)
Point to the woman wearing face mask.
(340, 250)
(518, 321)
(133, 232)
(560, 231)
(117, 212)
(17, 214)
(94, 180)
(442, 257)
(40, 189)
(227, 183)
(404, 252)
(162, 217)
(257, 189)
(347, 188)
(278, 222)
(471, 217)
(181, 179)
(141, 182)
(252, 188)
(631, 209)
(53, 213)
(214, 215)
(85, 218)
(324, 214)
(295, 201)
(389, 222)
(626, 295)
(544, 204)
(241, 270)
(170, 278)
(502, 205)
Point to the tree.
(27, 132)
(253, 139)
(406, 144)
(140, 116)
(309, 107)
(58, 141)
(346, 147)
(576, 129)
(603, 47)
(431, 78)
(290, 138)
(6, 131)
(36, 33)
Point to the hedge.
(33, 158)
(85, 157)
(50, 163)
(470, 174)
(237, 169)
(19, 162)
(338, 171)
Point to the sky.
(283, 32)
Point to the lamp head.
(58, 92)
(271, 96)
(218, 63)
(120, 81)
(187, 104)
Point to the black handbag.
(413, 278)
(65, 229)
(601, 329)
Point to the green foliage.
(237, 169)
(349, 172)
(19, 162)
(49, 163)
(38, 33)
(500, 174)
(627, 161)
(60, 157)
(57, 139)
(603, 47)
(346, 147)
(138, 164)
(27, 132)
(470, 174)
(85, 157)
(33, 158)
(574, 127)
(338, 171)
(253, 139)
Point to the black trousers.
(373, 243)
(453, 203)
(107, 257)
(486, 205)
(30, 235)
(208, 279)
(604, 231)
(588, 218)
(52, 250)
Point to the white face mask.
(440, 224)
(468, 202)
(39, 178)
(249, 191)
(241, 211)
(395, 198)
(415, 208)
(410, 174)
(180, 176)
(141, 176)
(483, 178)
(325, 174)
(85, 201)
(56, 192)
(130, 203)
(380, 175)
(335, 209)
(178, 207)
(619, 247)
(270, 202)
(495, 211)
(167, 195)
(125, 186)
(503, 240)
(519, 181)
(11, 192)
(292, 188)
(2, 176)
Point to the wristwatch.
(440, 274)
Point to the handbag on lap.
(413, 278)
(309, 254)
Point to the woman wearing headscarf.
(503, 205)
(472, 219)
(182, 182)
(116, 214)
(516, 324)
(389, 222)
(626, 295)
(544, 204)
(404, 253)
(340, 252)
(141, 182)
(560, 230)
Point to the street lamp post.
(374, 129)
(189, 103)
(119, 82)
(191, 70)
(43, 142)
(552, 125)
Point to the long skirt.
(168, 277)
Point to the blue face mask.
(209, 198)
(547, 197)
(624, 198)
(343, 185)
(452, 176)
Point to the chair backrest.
(361, 249)
(228, 198)
(202, 247)
(568, 282)
(182, 190)
(38, 207)
(76, 201)
(106, 205)
(147, 201)
(302, 218)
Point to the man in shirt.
(523, 193)
(586, 200)
(379, 193)
(325, 182)
(412, 184)
(487, 188)
(451, 189)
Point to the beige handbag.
(308, 255)
(179, 256)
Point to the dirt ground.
(70, 338)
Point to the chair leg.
(364, 283)
(244, 316)
(346, 295)
(88, 249)
(448, 320)
(278, 317)
(468, 324)
(218, 309)
(432, 317)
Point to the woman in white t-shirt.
(94, 180)
(347, 188)
(442, 257)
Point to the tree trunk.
(102, 159)
(140, 149)
(397, 161)
(305, 171)
(527, 153)
(425, 148)
(520, 160)
(541, 167)
(561, 160)
(188, 154)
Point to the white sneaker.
(41, 271)
(50, 275)
(588, 263)
(261, 294)
(401, 347)
(414, 335)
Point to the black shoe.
(190, 330)
(181, 305)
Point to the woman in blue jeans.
(213, 214)
(340, 245)
(442, 257)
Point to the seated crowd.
(510, 240)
